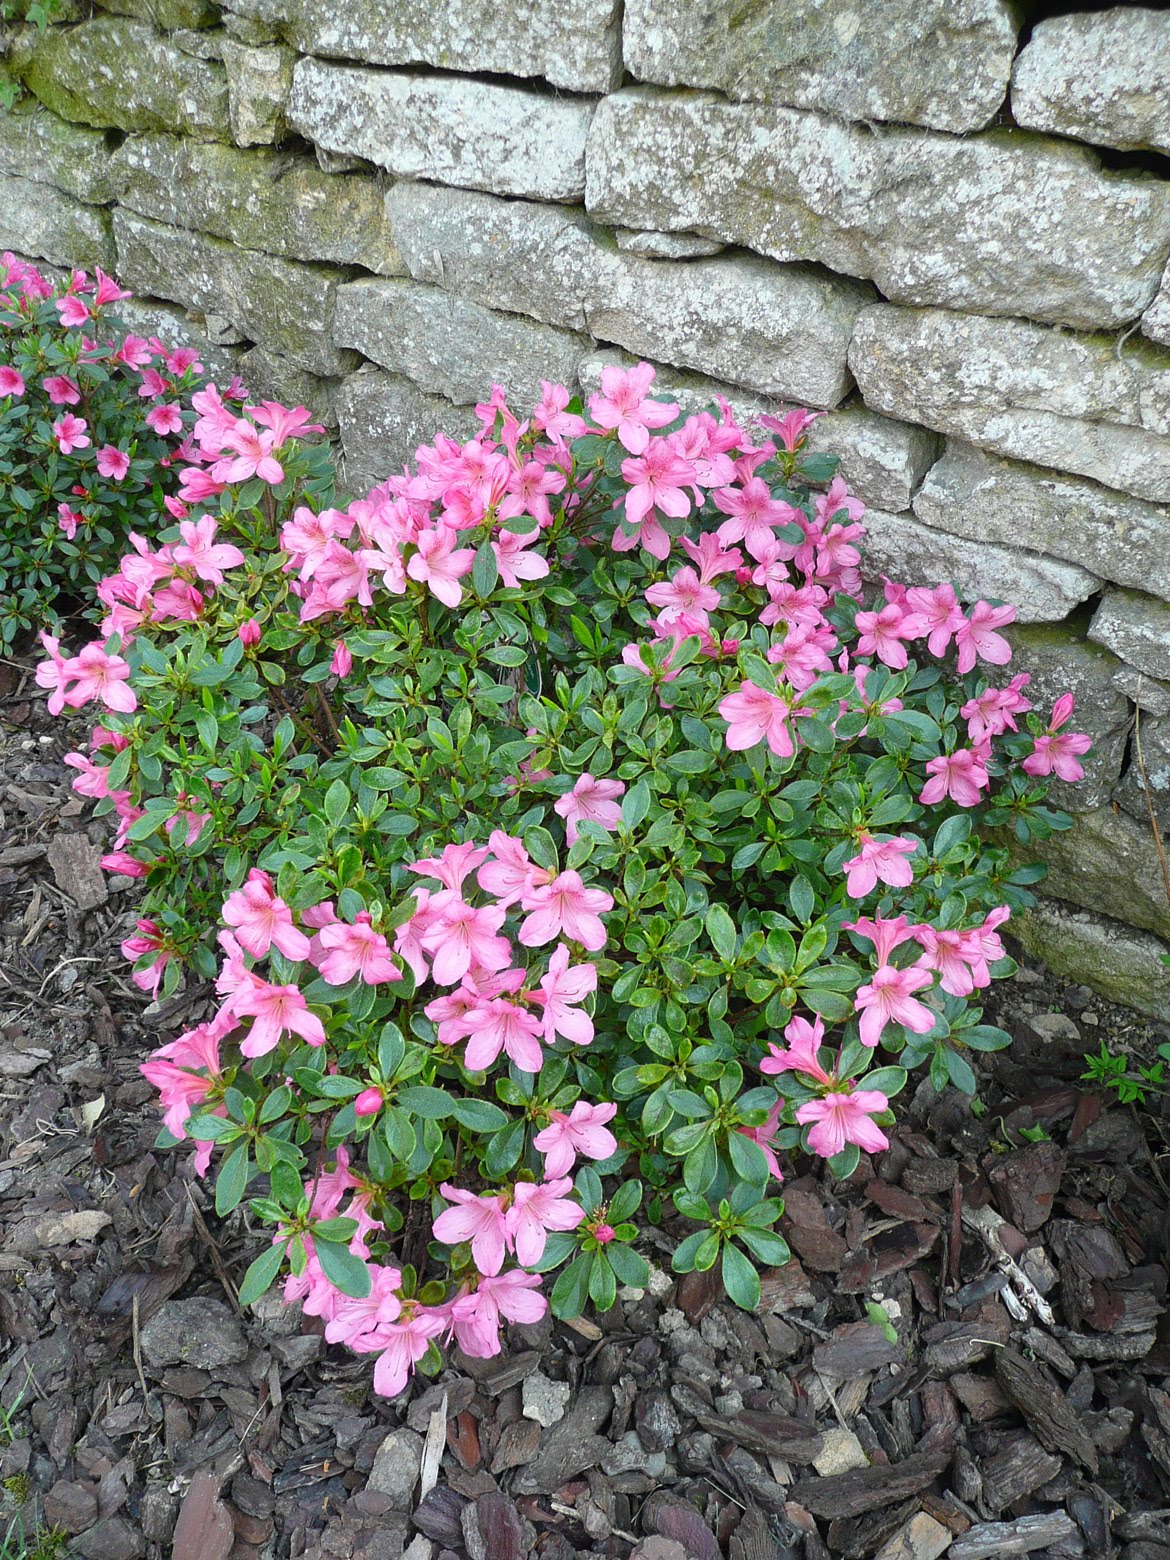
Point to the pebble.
(201, 1332)
(396, 1466)
(1056, 1028)
(545, 1400)
(840, 1452)
(729, 1403)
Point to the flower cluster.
(519, 810)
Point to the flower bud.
(249, 633)
(743, 576)
(342, 662)
(368, 1102)
(603, 1234)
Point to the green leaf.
(602, 1283)
(398, 1133)
(740, 1278)
(337, 801)
(275, 1105)
(887, 1080)
(985, 1037)
(625, 1202)
(628, 1266)
(766, 1245)
(571, 1290)
(343, 1270)
(721, 931)
(479, 1115)
(430, 1104)
(485, 571)
(211, 1129)
(747, 1159)
(635, 804)
(261, 1273)
(232, 1180)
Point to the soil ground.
(969, 1354)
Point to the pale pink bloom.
(993, 948)
(879, 861)
(754, 715)
(763, 1137)
(935, 616)
(957, 956)
(201, 552)
(802, 1053)
(622, 404)
(61, 390)
(885, 935)
(262, 920)
(791, 428)
(107, 290)
(440, 565)
(475, 1317)
(165, 418)
(1056, 752)
(528, 491)
(510, 873)
(514, 563)
(711, 556)
(356, 1322)
(500, 1025)
(93, 779)
(480, 1220)
(582, 1131)
(124, 864)
(68, 520)
(683, 593)
(148, 938)
(403, 1344)
(562, 987)
(70, 433)
(961, 775)
(74, 311)
(845, 1118)
(887, 999)
(97, 675)
(189, 822)
(112, 462)
(356, 950)
(884, 634)
(565, 908)
(593, 800)
(463, 936)
(803, 655)
(185, 1071)
(837, 500)
(252, 451)
(249, 633)
(755, 516)
(11, 382)
(306, 537)
(275, 1011)
(535, 1210)
(454, 863)
(657, 481)
(408, 938)
(196, 485)
(369, 1102)
(977, 638)
(342, 662)
(992, 712)
(549, 414)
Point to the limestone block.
(383, 420)
(666, 246)
(779, 330)
(1151, 696)
(258, 199)
(1042, 590)
(1106, 863)
(923, 62)
(1099, 76)
(269, 376)
(1156, 319)
(123, 73)
(167, 14)
(451, 346)
(985, 498)
(476, 134)
(1137, 796)
(1080, 403)
(44, 223)
(571, 43)
(1116, 961)
(178, 327)
(1058, 660)
(35, 144)
(1001, 223)
(1136, 628)
(259, 82)
(881, 460)
(279, 304)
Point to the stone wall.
(946, 222)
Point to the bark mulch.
(968, 1355)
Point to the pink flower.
(369, 1102)
(582, 1131)
(562, 987)
(879, 860)
(148, 938)
(590, 799)
(992, 712)
(285, 422)
(97, 675)
(480, 1220)
(454, 863)
(276, 1011)
(957, 956)
(11, 382)
(500, 1025)
(565, 907)
(74, 311)
(463, 936)
(124, 864)
(514, 563)
(356, 950)
(440, 565)
(357, 1323)
(112, 463)
(93, 779)
(884, 634)
(68, 520)
(755, 515)
(1056, 752)
(403, 1345)
(261, 920)
(844, 1118)
(537, 1209)
(253, 457)
(888, 1000)
(763, 1137)
(753, 715)
(791, 428)
(166, 417)
(342, 662)
(885, 935)
(70, 433)
(201, 552)
(475, 1317)
(61, 390)
(622, 404)
(249, 633)
(935, 616)
(510, 873)
(802, 1053)
(977, 638)
(961, 775)
(185, 1072)
(657, 480)
(685, 593)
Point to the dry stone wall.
(946, 223)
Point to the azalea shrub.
(571, 838)
(90, 418)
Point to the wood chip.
(987, 1540)
(76, 864)
(922, 1538)
(1049, 1417)
(851, 1494)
